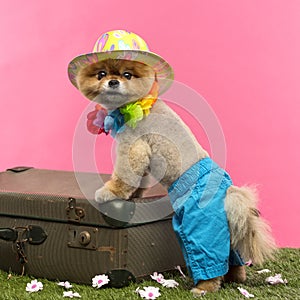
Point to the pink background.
(242, 56)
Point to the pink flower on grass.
(149, 292)
(245, 293)
(157, 277)
(180, 271)
(34, 286)
(276, 279)
(248, 263)
(100, 280)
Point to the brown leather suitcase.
(49, 229)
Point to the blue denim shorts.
(200, 221)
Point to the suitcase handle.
(35, 235)
(8, 234)
(19, 169)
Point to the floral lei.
(100, 120)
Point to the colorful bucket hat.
(121, 44)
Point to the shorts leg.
(235, 259)
(200, 221)
(204, 238)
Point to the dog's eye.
(127, 75)
(101, 74)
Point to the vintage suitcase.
(49, 229)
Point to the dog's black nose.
(113, 83)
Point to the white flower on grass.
(66, 284)
(157, 277)
(34, 286)
(169, 283)
(263, 271)
(70, 294)
(149, 292)
(276, 279)
(100, 280)
(245, 293)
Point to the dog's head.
(115, 82)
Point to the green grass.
(287, 263)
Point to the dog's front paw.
(198, 293)
(104, 194)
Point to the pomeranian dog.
(114, 83)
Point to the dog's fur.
(149, 147)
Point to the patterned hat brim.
(164, 71)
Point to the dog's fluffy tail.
(250, 234)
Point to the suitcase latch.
(74, 213)
(83, 237)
